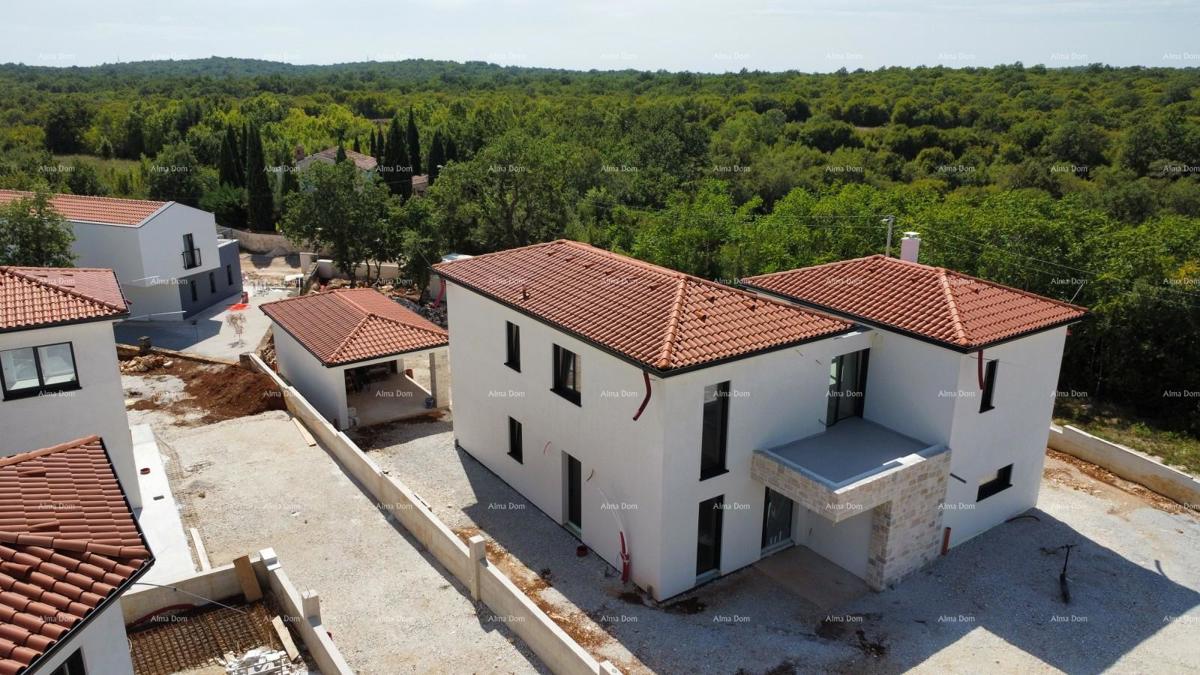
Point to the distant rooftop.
(103, 210)
(329, 156)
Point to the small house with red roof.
(345, 350)
(69, 548)
(683, 429)
(59, 375)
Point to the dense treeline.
(1081, 184)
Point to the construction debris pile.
(261, 661)
(434, 314)
(145, 364)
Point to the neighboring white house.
(345, 350)
(684, 429)
(58, 359)
(69, 548)
(167, 256)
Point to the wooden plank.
(285, 637)
(245, 576)
(308, 438)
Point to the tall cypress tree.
(259, 198)
(231, 168)
(396, 169)
(451, 149)
(437, 156)
(341, 153)
(357, 147)
(414, 144)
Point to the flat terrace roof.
(850, 451)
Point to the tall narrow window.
(192, 289)
(512, 335)
(566, 374)
(229, 274)
(989, 385)
(515, 440)
(191, 254)
(708, 535)
(212, 282)
(847, 386)
(714, 432)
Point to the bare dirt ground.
(192, 392)
(992, 605)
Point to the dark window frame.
(42, 387)
(516, 435)
(565, 368)
(512, 345)
(989, 385)
(995, 486)
(717, 505)
(229, 274)
(715, 460)
(212, 282)
(191, 254)
(192, 290)
(73, 665)
(832, 408)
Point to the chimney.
(910, 246)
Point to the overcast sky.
(698, 35)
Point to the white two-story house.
(684, 429)
(166, 255)
(59, 377)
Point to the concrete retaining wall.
(299, 610)
(553, 646)
(1127, 463)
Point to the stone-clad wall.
(905, 503)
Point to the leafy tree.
(83, 179)
(65, 126)
(33, 234)
(134, 145)
(827, 135)
(175, 175)
(259, 197)
(339, 210)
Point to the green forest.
(1081, 184)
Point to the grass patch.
(1111, 423)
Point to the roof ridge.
(34, 454)
(350, 335)
(668, 348)
(831, 263)
(68, 291)
(959, 330)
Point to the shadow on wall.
(1006, 582)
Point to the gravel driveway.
(253, 482)
(993, 604)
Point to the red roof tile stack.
(948, 307)
(68, 543)
(354, 324)
(105, 210)
(656, 317)
(42, 296)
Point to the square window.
(29, 371)
(58, 364)
(20, 369)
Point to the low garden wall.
(552, 645)
(1128, 464)
(260, 242)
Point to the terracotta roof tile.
(354, 324)
(949, 307)
(53, 580)
(41, 296)
(651, 315)
(106, 210)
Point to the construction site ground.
(251, 482)
(992, 603)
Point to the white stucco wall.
(161, 241)
(103, 643)
(97, 407)
(911, 387)
(1013, 432)
(324, 387)
(846, 543)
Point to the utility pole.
(891, 221)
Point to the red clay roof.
(949, 307)
(652, 315)
(106, 210)
(68, 542)
(41, 296)
(354, 324)
(329, 156)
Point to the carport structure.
(346, 350)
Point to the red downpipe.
(645, 401)
(980, 369)
(441, 295)
(945, 540)
(625, 563)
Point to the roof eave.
(69, 322)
